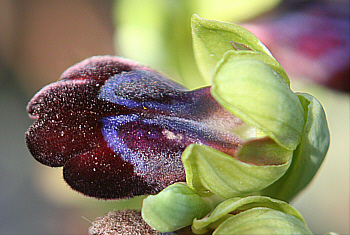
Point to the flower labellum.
(119, 128)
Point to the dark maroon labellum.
(119, 128)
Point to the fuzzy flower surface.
(119, 128)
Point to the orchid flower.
(120, 129)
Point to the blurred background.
(39, 39)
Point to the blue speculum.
(119, 129)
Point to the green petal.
(211, 171)
(263, 152)
(211, 40)
(252, 215)
(262, 221)
(251, 89)
(174, 208)
(309, 155)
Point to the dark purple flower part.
(119, 128)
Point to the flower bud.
(252, 215)
(174, 208)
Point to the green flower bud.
(252, 215)
(174, 208)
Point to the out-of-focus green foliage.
(158, 33)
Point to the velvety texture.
(119, 128)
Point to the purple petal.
(119, 129)
(101, 173)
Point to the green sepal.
(262, 152)
(212, 39)
(252, 215)
(174, 208)
(308, 156)
(210, 171)
(247, 85)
